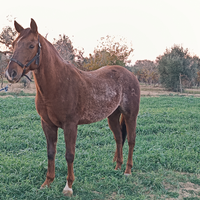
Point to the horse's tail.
(123, 129)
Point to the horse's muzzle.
(12, 77)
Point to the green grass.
(167, 153)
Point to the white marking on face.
(8, 76)
(19, 39)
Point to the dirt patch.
(114, 196)
(184, 190)
(145, 90)
(148, 90)
(189, 190)
(18, 87)
(162, 93)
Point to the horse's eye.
(31, 46)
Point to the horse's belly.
(99, 109)
(96, 115)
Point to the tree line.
(175, 69)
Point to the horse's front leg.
(51, 137)
(70, 133)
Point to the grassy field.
(166, 157)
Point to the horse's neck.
(52, 70)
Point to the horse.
(67, 97)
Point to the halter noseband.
(36, 58)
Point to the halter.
(36, 58)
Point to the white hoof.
(43, 187)
(67, 191)
(126, 174)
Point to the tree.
(3, 64)
(7, 36)
(146, 71)
(177, 66)
(66, 50)
(197, 80)
(108, 52)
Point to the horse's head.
(26, 52)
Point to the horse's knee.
(69, 157)
(131, 143)
(51, 155)
(131, 139)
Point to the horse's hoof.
(68, 192)
(43, 187)
(126, 174)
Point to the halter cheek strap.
(36, 58)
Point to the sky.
(149, 26)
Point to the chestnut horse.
(67, 97)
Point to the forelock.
(22, 35)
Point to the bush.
(177, 68)
(109, 52)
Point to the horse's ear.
(33, 26)
(18, 27)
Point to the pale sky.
(150, 25)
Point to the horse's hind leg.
(51, 137)
(113, 121)
(131, 135)
(124, 133)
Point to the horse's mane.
(49, 44)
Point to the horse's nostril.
(13, 74)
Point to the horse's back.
(120, 76)
(115, 73)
